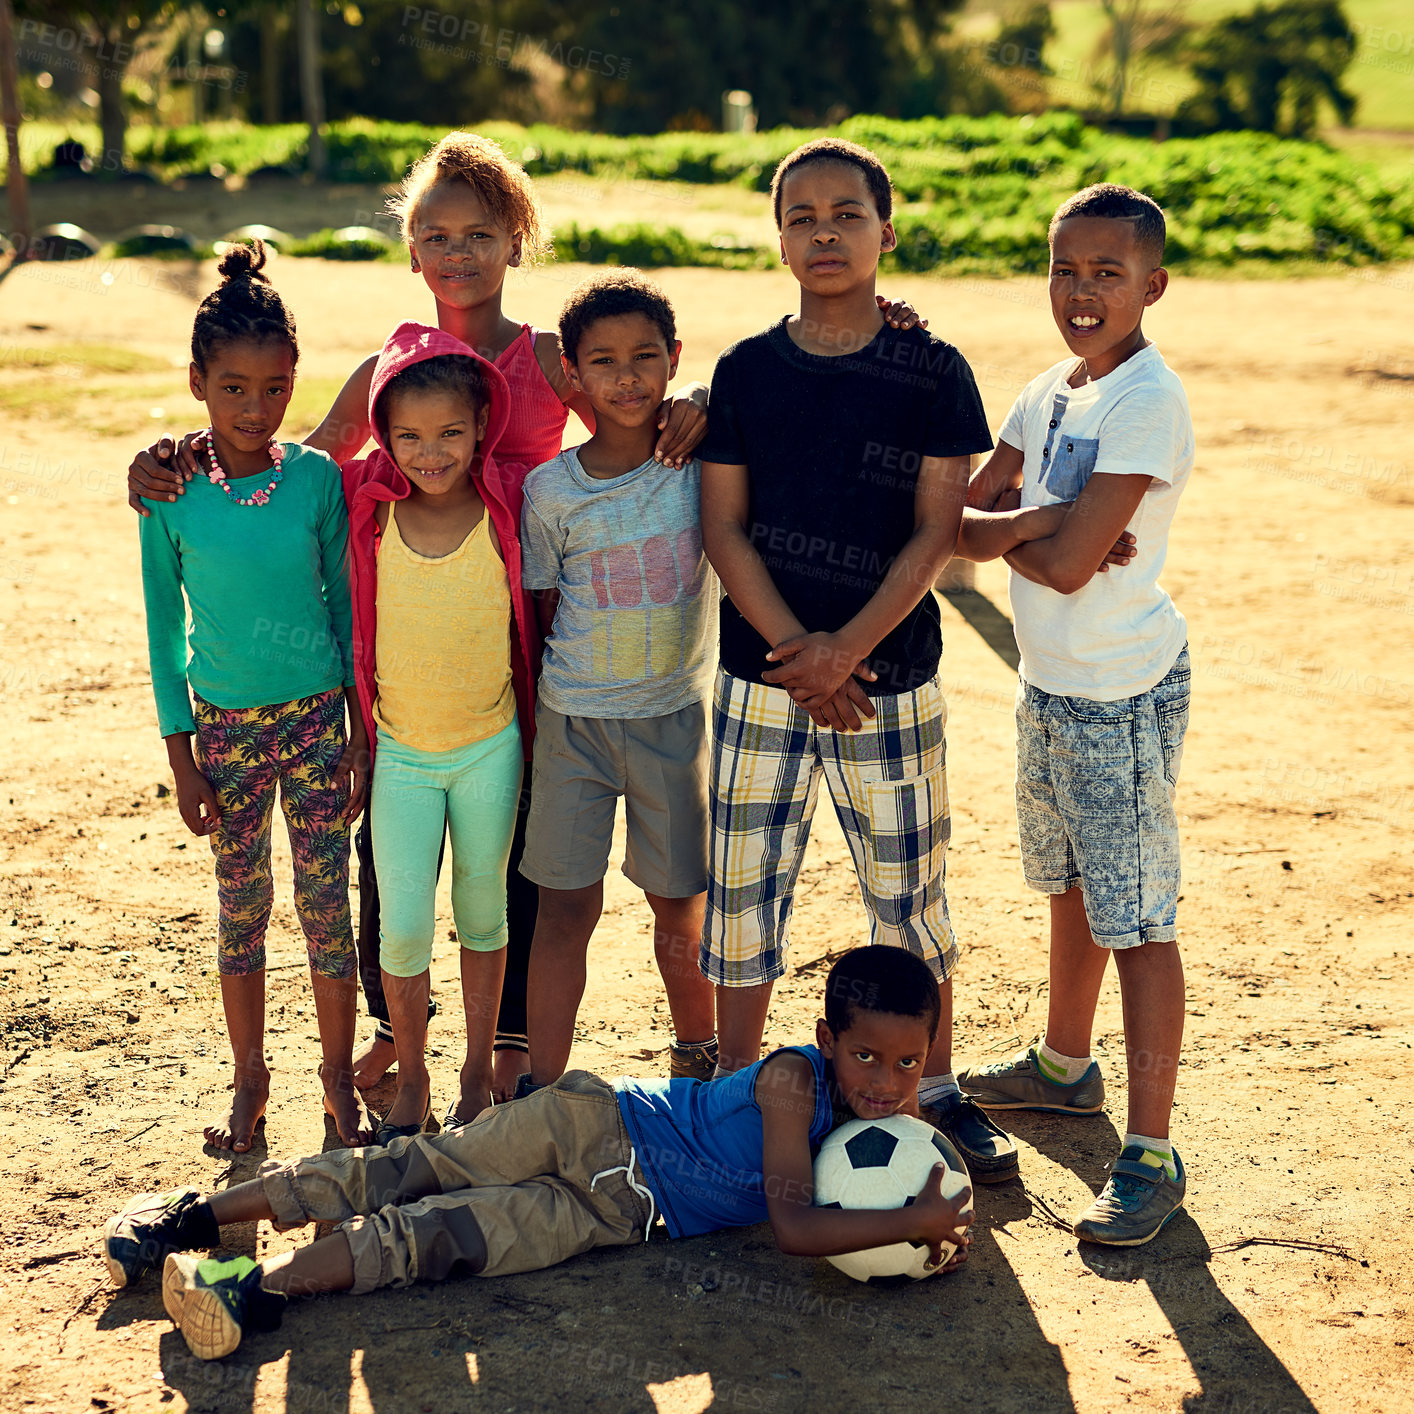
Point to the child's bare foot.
(475, 1094)
(371, 1064)
(506, 1068)
(344, 1105)
(237, 1128)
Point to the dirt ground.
(1280, 1288)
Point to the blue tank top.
(699, 1146)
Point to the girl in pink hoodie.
(443, 644)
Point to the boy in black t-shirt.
(833, 478)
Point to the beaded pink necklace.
(217, 475)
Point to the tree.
(16, 184)
(1024, 34)
(311, 83)
(1138, 28)
(105, 34)
(1272, 68)
(450, 63)
(642, 65)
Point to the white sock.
(933, 1088)
(1158, 1152)
(1064, 1070)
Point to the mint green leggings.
(473, 792)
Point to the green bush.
(328, 244)
(975, 193)
(652, 246)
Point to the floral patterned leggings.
(245, 752)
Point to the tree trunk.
(269, 64)
(112, 119)
(16, 183)
(311, 83)
(1124, 16)
(195, 60)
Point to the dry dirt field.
(1281, 1288)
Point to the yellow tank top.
(444, 642)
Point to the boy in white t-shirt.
(1087, 473)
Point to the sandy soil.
(1281, 1288)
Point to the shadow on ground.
(992, 626)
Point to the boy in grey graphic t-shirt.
(632, 624)
(611, 544)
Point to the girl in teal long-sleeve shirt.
(254, 558)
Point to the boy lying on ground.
(582, 1163)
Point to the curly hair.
(502, 185)
(243, 306)
(837, 149)
(622, 291)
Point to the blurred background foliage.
(1279, 130)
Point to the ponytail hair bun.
(244, 307)
(244, 261)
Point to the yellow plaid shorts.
(889, 785)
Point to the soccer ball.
(884, 1163)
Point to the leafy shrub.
(976, 193)
(330, 244)
(651, 246)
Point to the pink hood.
(376, 478)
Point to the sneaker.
(692, 1062)
(988, 1152)
(214, 1303)
(1136, 1202)
(138, 1239)
(525, 1086)
(1018, 1084)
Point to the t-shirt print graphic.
(652, 587)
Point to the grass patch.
(651, 247)
(326, 245)
(313, 397)
(102, 410)
(77, 360)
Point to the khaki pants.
(536, 1182)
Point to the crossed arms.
(1062, 546)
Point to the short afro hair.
(610, 293)
(883, 979)
(836, 149)
(1112, 202)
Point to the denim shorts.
(1094, 803)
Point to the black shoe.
(139, 1238)
(386, 1133)
(988, 1151)
(215, 1303)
